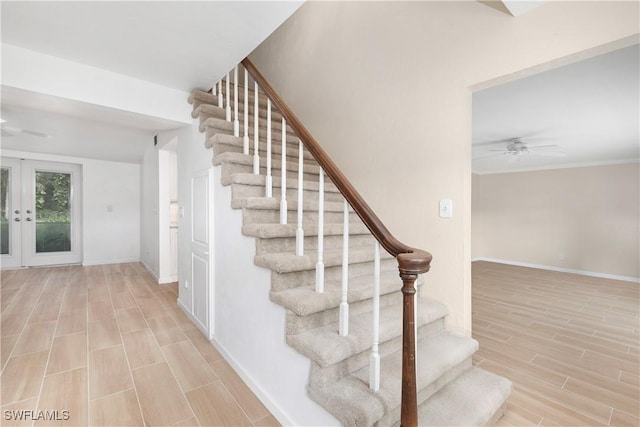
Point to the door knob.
(28, 211)
(16, 219)
(28, 219)
(16, 211)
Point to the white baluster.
(269, 180)
(220, 104)
(320, 263)
(256, 123)
(228, 96)
(299, 230)
(283, 176)
(344, 305)
(374, 359)
(236, 123)
(245, 139)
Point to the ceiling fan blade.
(542, 146)
(548, 153)
(486, 157)
(36, 133)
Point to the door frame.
(23, 234)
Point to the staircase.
(450, 391)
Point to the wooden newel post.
(410, 265)
(409, 406)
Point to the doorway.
(40, 212)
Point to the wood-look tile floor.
(110, 347)
(569, 343)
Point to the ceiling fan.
(8, 131)
(516, 148)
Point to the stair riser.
(392, 417)
(241, 191)
(298, 324)
(231, 168)
(288, 244)
(282, 281)
(266, 216)
(323, 376)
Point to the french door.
(40, 212)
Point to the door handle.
(16, 211)
(28, 219)
(16, 219)
(28, 211)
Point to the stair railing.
(411, 261)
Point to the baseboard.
(149, 270)
(560, 269)
(169, 279)
(248, 380)
(111, 261)
(273, 407)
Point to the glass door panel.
(53, 211)
(5, 192)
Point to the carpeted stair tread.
(357, 405)
(220, 124)
(472, 399)
(206, 111)
(276, 145)
(272, 231)
(289, 262)
(304, 300)
(271, 203)
(247, 159)
(204, 97)
(325, 346)
(245, 178)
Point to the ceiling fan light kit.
(516, 148)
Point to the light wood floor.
(568, 342)
(110, 346)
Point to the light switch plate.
(446, 208)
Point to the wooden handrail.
(411, 261)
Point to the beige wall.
(590, 215)
(386, 86)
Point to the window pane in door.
(53, 212)
(4, 210)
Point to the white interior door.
(41, 202)
(201, 249)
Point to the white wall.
(108, 237)
(149, 205)
(250, 329)
(386, 89)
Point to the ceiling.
(180, 45)
(177, 44)
(589, 110)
